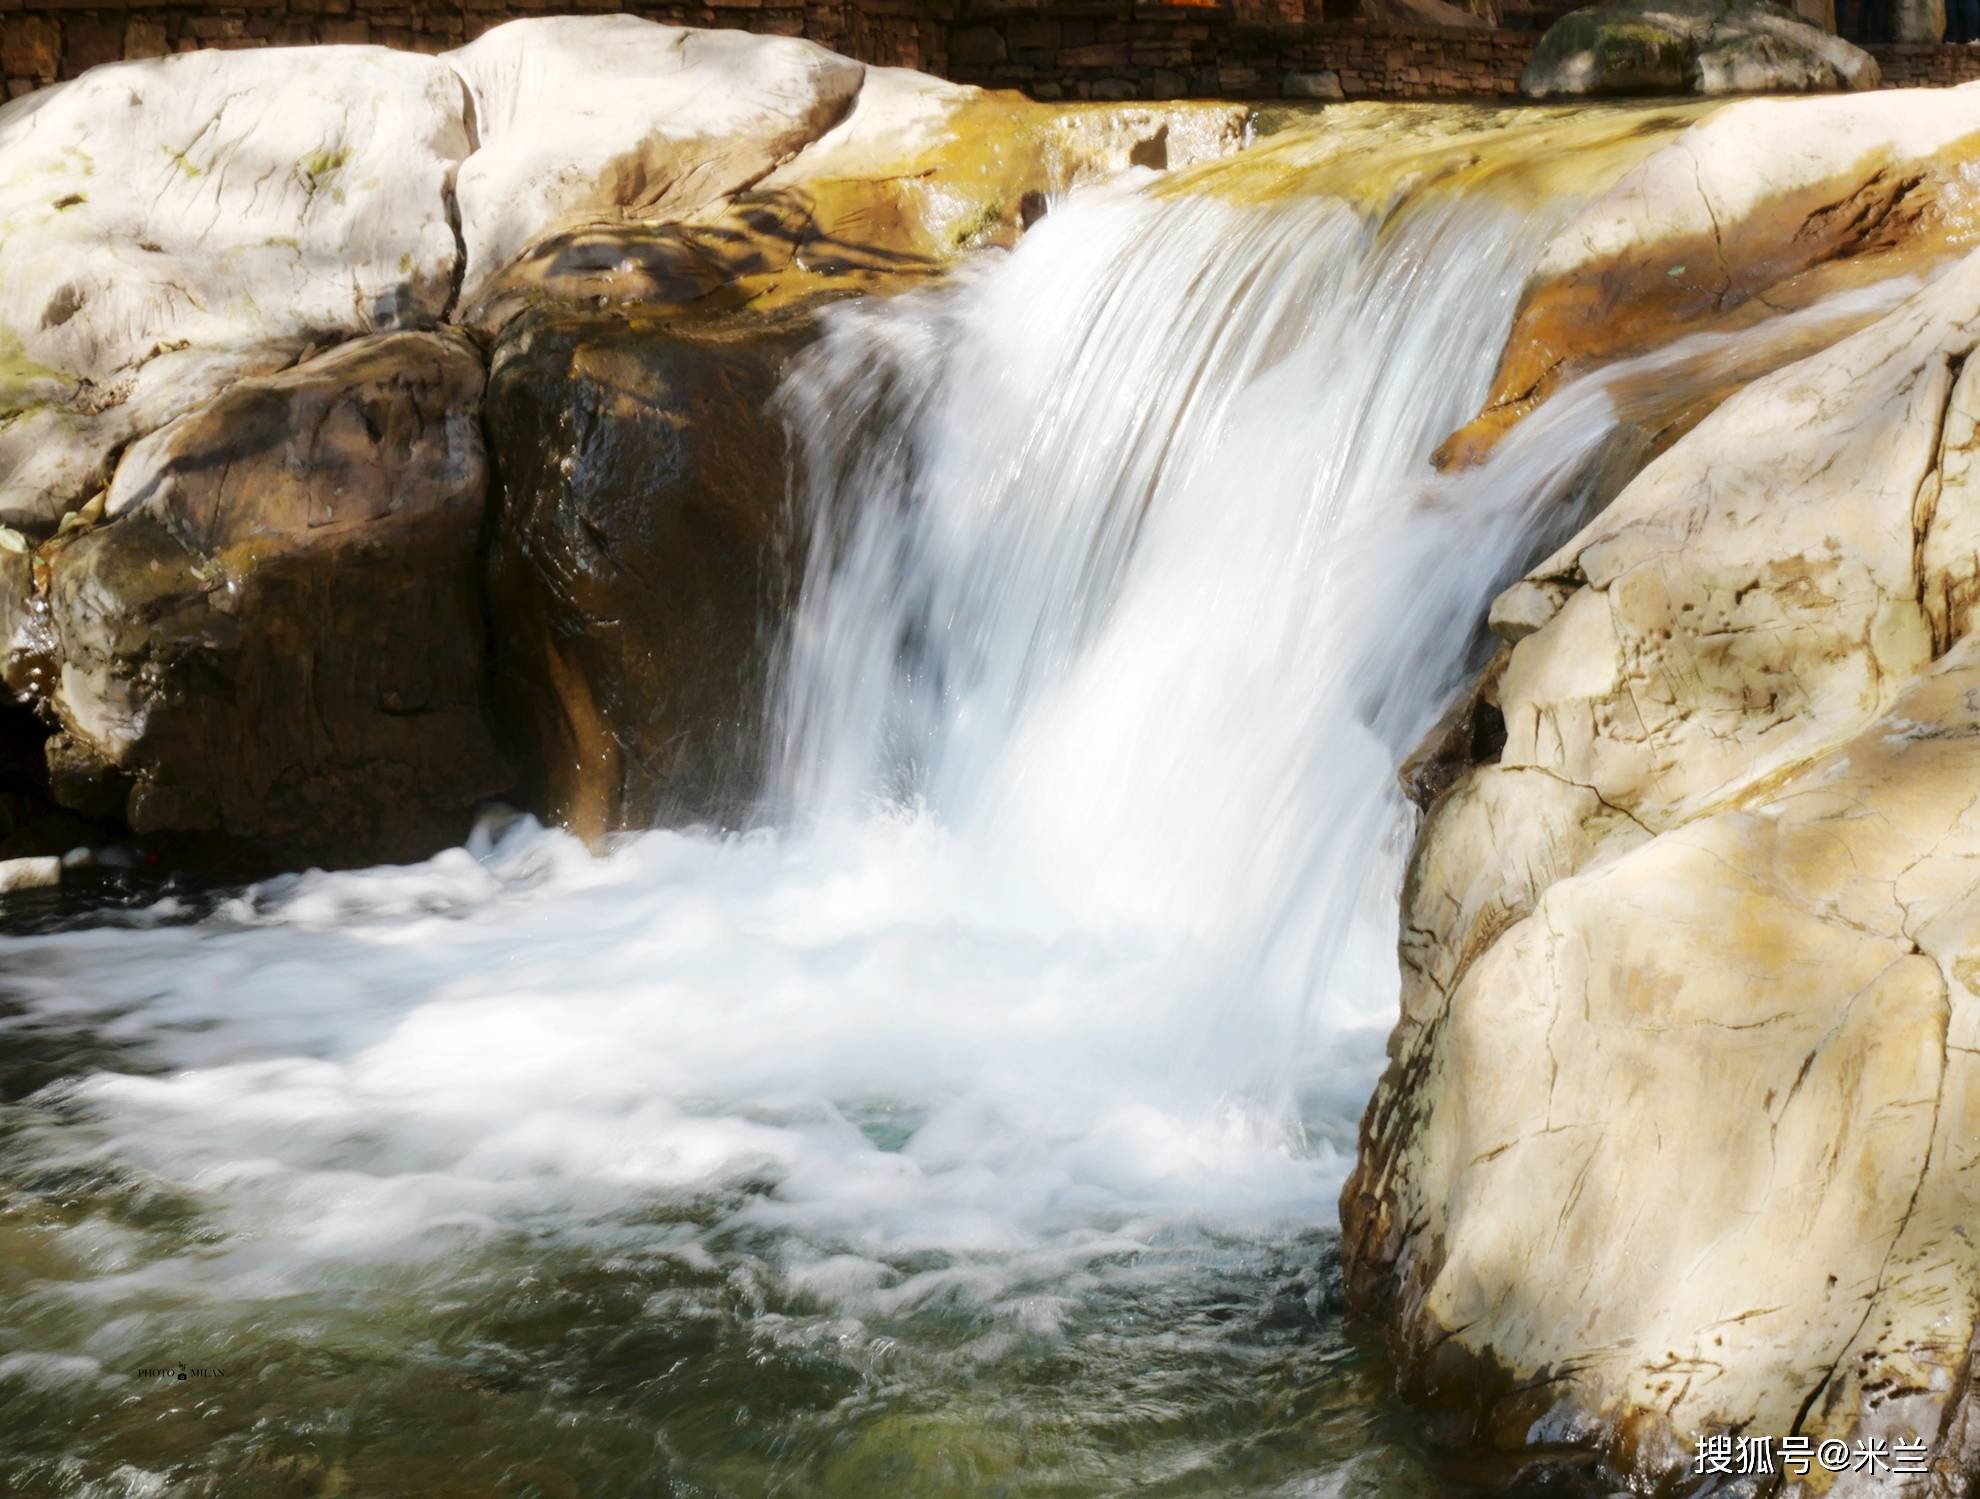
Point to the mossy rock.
(1692, 47)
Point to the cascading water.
(1114, 583)
(980, 1122)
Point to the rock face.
(642, 550)
(278, 630)
(912, 172)
(1679, 1132)
(1691, 47)
(1764, 208)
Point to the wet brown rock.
(275, 636)
(639, 558)
(1470, 732)
(24, 635)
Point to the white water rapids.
(1070, 943)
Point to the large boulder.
(642, 557)
(1692, 47)
(174, 225)
(274, 634)
(1678, 1136)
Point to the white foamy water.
(1072, 938)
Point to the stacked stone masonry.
(1077, 49)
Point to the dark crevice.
(1925, 506)
(32, 823)
(451, 200)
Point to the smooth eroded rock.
(890, 178)
(1766, 208)
(1769, 588)
(275, 636)
(176, 224)
(582, 120)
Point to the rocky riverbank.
(383, 434)
(1677, 1137)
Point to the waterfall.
(1129, 568)
(1042, 1009)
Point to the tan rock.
(1680, 1127)
(1696, 1131)
(1763, 207)
(1719, 634)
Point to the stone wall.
(1080, 55)
(1912, 65)
(43, 40)
(1053, 49)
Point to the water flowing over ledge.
(1071, 960)
(987, 1107)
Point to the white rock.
(899, 115)
(1770, 584)
(609, 119)
(1726, 167)
(1699, 1133)
(906, 120)
(174, 224)
(36, 873)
